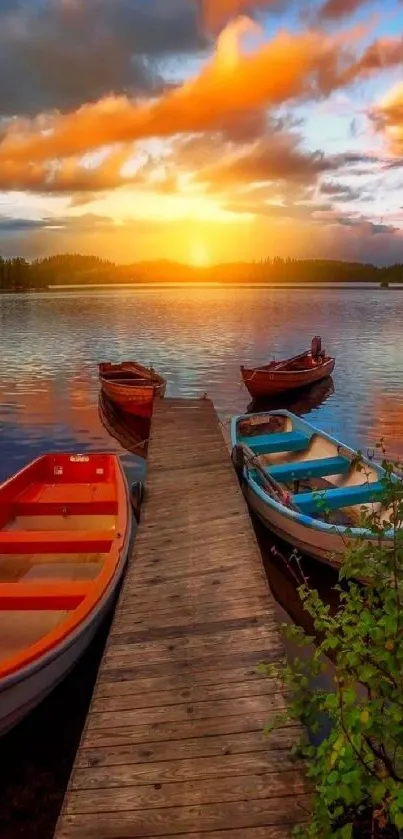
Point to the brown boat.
(293, 373)
(131, 386)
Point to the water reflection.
(130, 431)
(301, 402)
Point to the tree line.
(18, 274)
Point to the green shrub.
(358, 765)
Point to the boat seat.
(288, 441)
(333, 499)
(308, 468)
(74, 542)
(44, 594)
(46, 500)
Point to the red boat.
(293, 373)
(131, 386)
(65, 527)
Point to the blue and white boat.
(306, 486)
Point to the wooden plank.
(169, 731)
(177, 682)
(203, 693)
(186, 819)
(184, 710)
(252, 786)
(193, 665)
(173, 742)
(224, 744)
(187, 616)
(199, 769)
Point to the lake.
(50, 346)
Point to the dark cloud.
(56, 54)
(277, 158)
(294, 211)
(339, 191)
(337, 9)
(87, 223)
(9, 225)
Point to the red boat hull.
(131, 387)
(269, 381)
(137, 400)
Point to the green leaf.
(398, 820)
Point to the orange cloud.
(68, 175)
(43, 154)
(232, 83)
(380, 55)
(388, 118)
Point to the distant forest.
(72, 269)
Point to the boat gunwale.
(275, 372)
(34, 657)
(303, 518)
(155, 379)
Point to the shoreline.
(108, 287)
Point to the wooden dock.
(173, 741)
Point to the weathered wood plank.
(186, 819)
(203, 768)
(168, 731)
(194, 665)
(133, 687)
(192, 694)
(224, 744)
(185, 710)
(173, 744)
(196, 792)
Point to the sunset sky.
(202, 130)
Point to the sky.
(202, 131)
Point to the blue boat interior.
(288, 441)
(320, 486)
(318, 468)
(335, 499)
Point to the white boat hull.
(328, 547)
(309, 541)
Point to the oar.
(274, 489)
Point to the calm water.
(50, 346)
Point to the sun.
(199, 255)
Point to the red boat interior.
(61, 528)
(304, 362)
(126, 376)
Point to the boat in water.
(306, 486)
(131, 386)
(279, 377)
(65, 529)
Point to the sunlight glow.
(199, 255)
